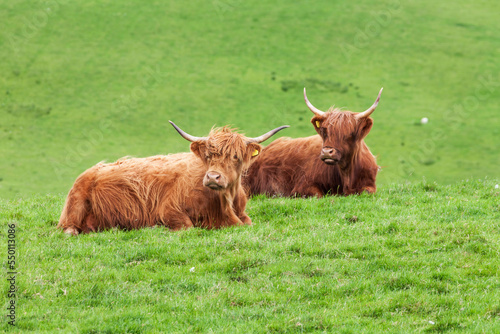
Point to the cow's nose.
(329, 156)
(214, 180)
(212, 176)
(328, 150)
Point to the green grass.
(85, 81)
(416, 257)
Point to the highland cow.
(197, 189)
(336, 161)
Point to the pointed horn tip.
(178, 129)
(172, 123)
(278, 129)
(370, 110)
(267, 135)
(175, 126)
(378, 97)
(186, 135)
(311, 107)
(305, 96)
(380, 92)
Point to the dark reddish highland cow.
(336, 161)
(198, 189)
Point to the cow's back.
(131, 192)
(282, 165)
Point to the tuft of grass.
(418, 257)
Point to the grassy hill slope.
(412, 258)
(86, 81)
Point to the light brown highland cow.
(198, 189)
(336, 161)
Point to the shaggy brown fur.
(336, 161)
(169, 190)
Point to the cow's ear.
(253, 150)
(364, 127)
(198, 148)
(316, 122)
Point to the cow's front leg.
(359, 188)
(178, 221)
(364, 182)
(245, 219)
(310, 191)
(370, 190)
(234, 220)
(239, 205)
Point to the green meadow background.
(89, 81)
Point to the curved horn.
(187, 136)
(369, 111)
(266, 136)
(315, 110)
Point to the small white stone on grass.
(192, 270)
(424, 120)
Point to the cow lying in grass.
(198, 189)
(336, 161)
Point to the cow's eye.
(235, 157)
